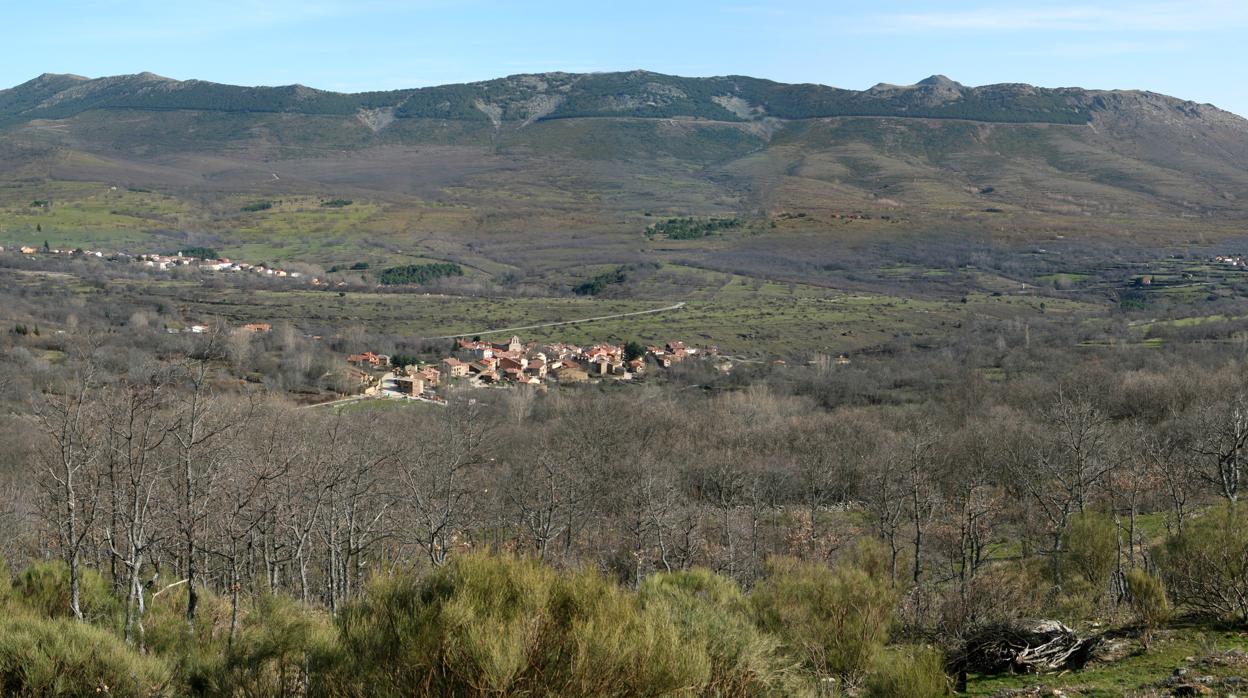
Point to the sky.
(1193, 49)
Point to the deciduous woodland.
(967, 408)
(781, 530)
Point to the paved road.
(669, 308)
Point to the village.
(479, 363)
(167, 262)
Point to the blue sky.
(1193, 49)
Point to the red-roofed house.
(475, 350)
(454, 367)
(368, 358)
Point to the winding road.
(635, 313)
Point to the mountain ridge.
(497, 171)
(524, 98)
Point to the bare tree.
(440, 473)
(1168, 455)
(885, 496)
(1220, 440)
(136, 417)
(200, 425)
(244, 503)
(357, 504)
(546, 489)
(71, 453)
(1059, 464)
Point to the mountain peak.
(939, 81)
(49, 77)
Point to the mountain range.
(593, 156)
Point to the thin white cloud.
(1157, 16)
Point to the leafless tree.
(440, 463)
(198, 430)
(243, 499)
(1220, 441)
(70, 456)
(1059, 463)
(885, 495)
(137, 417)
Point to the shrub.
(833, 620)
(1148, 601)
(419, 273)
(908, 673)
(690, 228)
(597, 284)
(1148, 597)
(199, 252)
(44, 589)
(279, 647)
(617, 647)
(1206, 566)
(1091, 544)
(714, 615)
(496, 625)
(62, 657)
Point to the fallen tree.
(1027, 647)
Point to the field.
(742, 316)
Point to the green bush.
(1148, 598)
(501, 626)
(62, 657)
(599, 283)
(1091, 545)
(280, 646)
(418, 273)
(714, 615)
(690, 228)
(834, 620)
(199, 252)
(44, 588)
(910, 673)
(1206, 566)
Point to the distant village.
(480, 363)
(165, 262)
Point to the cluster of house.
(252, 327)
(1232, 260)
(160, 261)
(517, 362)
(165, 262)
(27, 250)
